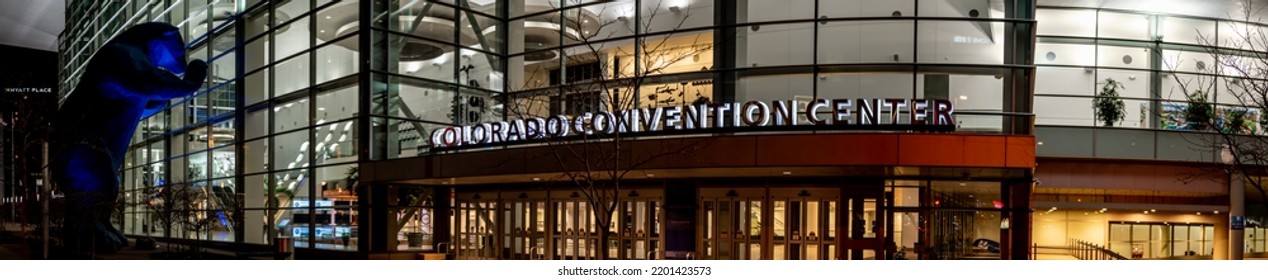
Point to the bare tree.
(1234, 133)
(613, 78)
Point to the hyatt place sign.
(754, 114)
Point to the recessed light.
(1217, 212)
(1040, 143)
(787, 172)
(323, 31)
(535, 179)
(651, 175)
(1153, 210)
(327, 17)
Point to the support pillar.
(1236, 210)
(441, 223)
(1017, 213)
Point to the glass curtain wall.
(435, 64)
(283, 72)
(1164, 63)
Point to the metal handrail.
(1084, 250)
(443, 247)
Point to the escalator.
(220, 199)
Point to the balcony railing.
(1084, 250)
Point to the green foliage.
(1108, 106)
(1197, 116)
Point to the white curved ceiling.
(32, 24)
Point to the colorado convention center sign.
(862, 113)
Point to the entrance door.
(527, 220)
(731, 221)
(804, 223)
(863, 214)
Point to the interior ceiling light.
(437, 24)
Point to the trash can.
(284, 247)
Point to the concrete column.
(1236, 208)
(1220, 252)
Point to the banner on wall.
(1249, 120)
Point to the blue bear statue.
(129, 78)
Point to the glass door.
(805, 224)
(575, 235)
(637, 226)
(863, 213)
(476, 226)
(732, 224)
(527, 230)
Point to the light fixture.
(1153, 210)
(1040, 143)
(322, 31)
(787, 172)
(1217, 211)
(321, 108)
(964, 97)
(327, 17)
(649, 175)
(535, 179)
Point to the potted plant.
(1197, 116)
(1107, 105)
(414, 238)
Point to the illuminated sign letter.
(579, 124)
(895, 107)
(841, 111)
(604, 123)
(673, 117)
(723, 112)
(535, 129)
(435, 138)
(650, 117)
(499, 132)
(868, 111)
(628, 121)
(516, 131)
(557, 126)
(784, 112)
(812, 111)
(942, 110)
(758, 109)
(696, 117)
(917, 114)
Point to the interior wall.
(1056, 228)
